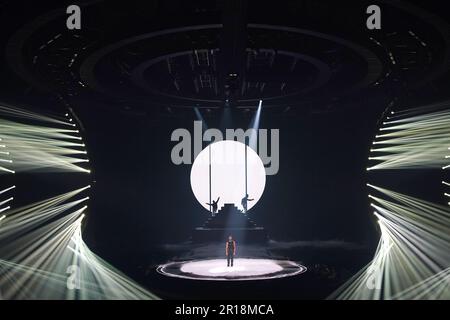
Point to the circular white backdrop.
(228, 174)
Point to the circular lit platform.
(243, 269)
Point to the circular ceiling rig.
(184, 64)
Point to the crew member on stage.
(244, 202)
(214, 205)
(230, 250)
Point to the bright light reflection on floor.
(243, 269)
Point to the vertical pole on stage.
(245, 167)
(210, 208)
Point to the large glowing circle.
(228, 174)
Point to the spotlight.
(2, 217)
(414, 141)
(7, 189)
(4, 209)
(6, 201)
(255, 126)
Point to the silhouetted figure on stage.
(230, 250)
(244, 202)
(214, 205)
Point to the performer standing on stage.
(230, 250)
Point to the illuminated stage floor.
(243, 269)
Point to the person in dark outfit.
(230, 250)
(214, 205)
(244, 202)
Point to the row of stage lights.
(43, 240)
(375, 142)
(412, 255)
(7, 156)
(447, 184)
(412, 139)
(67, 115)
(5, 205)
(437, 120)
(44, 149)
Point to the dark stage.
(217, 150)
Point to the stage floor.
(243, 269)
